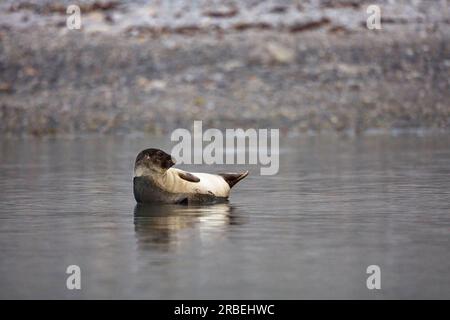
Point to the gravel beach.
(149, 66)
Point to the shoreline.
(331, 77)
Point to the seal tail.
(233, 178)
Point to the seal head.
(150, 161)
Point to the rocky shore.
(146, 66)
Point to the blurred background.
(152, 66)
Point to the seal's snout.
(169, 162)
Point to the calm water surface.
(337, 206)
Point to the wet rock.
(221, 12)
(278, 53)
(279, 9)
(5, 87)
(30, 71)
(149, 85)
(231, 65)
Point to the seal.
(156, 181)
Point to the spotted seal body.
(156, 181)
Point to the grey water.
(337, 206)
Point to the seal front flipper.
(188, 177)
(233, 178)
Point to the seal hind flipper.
(233, 178)
(188, 177)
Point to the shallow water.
(337, 206)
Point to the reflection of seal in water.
(174, 227)
(155, 181)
